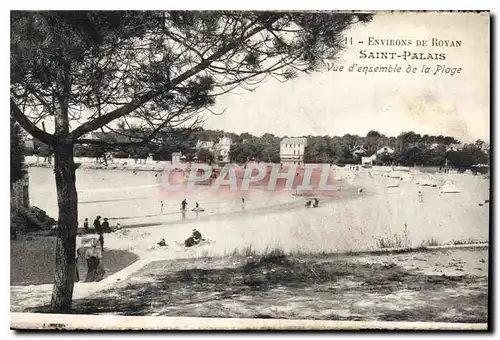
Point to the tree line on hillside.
(410, 148)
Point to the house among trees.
(205, 144)
(434, 146)
(367, 162)
(222, 149)
(358, 150)
(176, 157)
(454, 147)
(292, 150)
(385, 151)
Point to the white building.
(205, 144)
(454, 147)
(292, 150)
(367, 162)
(176, 157)
(385, 151)
(434, 146)
(358, 150)
(222, 149)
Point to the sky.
(336, 103)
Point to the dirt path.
(444, 285)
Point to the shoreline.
(123, 167)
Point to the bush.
(29, 219)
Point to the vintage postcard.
(250, 170)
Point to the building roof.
(294, 140)
(384, 149)
(359, 147)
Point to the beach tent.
(449, 188)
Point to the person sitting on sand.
(360, 190)
(196, 235)
(190, 242)
(316, 203)
(308, 204)
(93, 257)
(162, 243)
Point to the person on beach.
(189, 242)
(420, 197)
(316, 203)
(105, 226)
(308, 204)
(97, 225)
(93, 257)
(184, 203)
(196, 235)
(194, 239)
(101, 241)
(86, 225)
(77, 256)
(161, 206)
(162, 243)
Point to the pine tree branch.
(126, 109)
(28, 125)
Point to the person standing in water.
(184, 204)
(161, 206)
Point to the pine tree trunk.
(65, 175)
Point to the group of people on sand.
(93, 254)
(192, 240)
(310, 203)
(93, 257)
